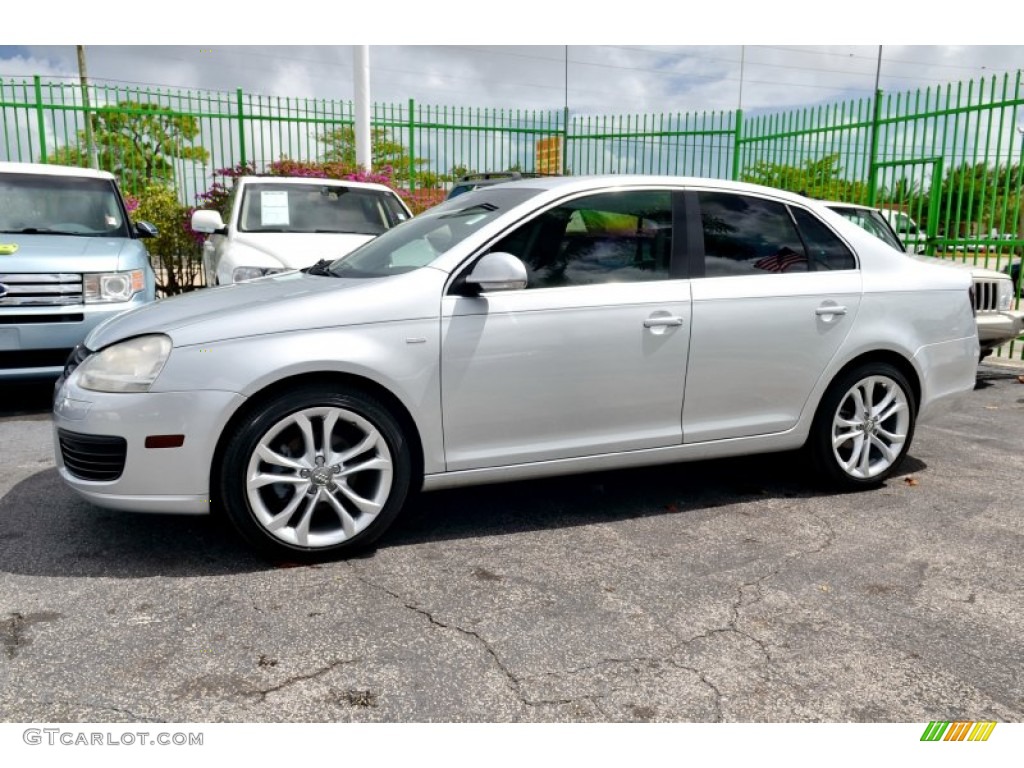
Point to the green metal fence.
(948, 157)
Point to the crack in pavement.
(513, 681)
(264, 692)
(12, 631)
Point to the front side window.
(610, 237)
(38, 204)
(305, 208)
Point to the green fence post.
(241, 127)
(412, 146)
(873, 151)
(736, 139)
(39, 116)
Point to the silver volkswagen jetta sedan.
(535, 328)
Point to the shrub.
(176, 253)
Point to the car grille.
(41, 290)
(92, 457)
(986, 295)
(32, 358)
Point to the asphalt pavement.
(713, 591)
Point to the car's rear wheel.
(316, 473)
(864, 426)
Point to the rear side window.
(824, 249)
(747, 235)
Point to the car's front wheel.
(864, 426)
(316, 473)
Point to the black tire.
(328, 503)
(872, 440)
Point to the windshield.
(323, 208)
(873, 222)
(37, 204)
(421, 240)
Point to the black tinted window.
(745, 235)
(604, 238)
(824, 249)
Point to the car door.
(777, 294)
(590, 357)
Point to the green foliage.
(137, 142)
(384, 151)
(821, 179)
(977, 198)
(175, 253)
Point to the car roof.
(314, 180)
(569, 184)
(46, 169)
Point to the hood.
(298, 250)
(292, 301)
(980, 273)
(59, 253)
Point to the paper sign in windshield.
(274, 209)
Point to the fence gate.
(915, 220)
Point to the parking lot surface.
(714, 591)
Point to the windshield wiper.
(321, 268)
(478, 208)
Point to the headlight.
(129, 366)
(113, 286)
(1004, 294)
(251, 273)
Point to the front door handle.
(663, 321)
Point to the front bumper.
(153, 479)
(997, 328)
(35, 341)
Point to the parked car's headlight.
(1004, 295)
(130, 366)
(103, 287)
(251, 273)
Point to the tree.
(821, 179)
(138, 143)
(976, 198)
(384, 151)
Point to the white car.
(528, 329)
(280, 223)
(998, 323)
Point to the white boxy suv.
(281, 223)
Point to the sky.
(527, 55)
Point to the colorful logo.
(959, 730)
(6, 249)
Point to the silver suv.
(69, 259)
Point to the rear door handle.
(833, 309)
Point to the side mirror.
(498, 272)
(145, 229)
(208, 222)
